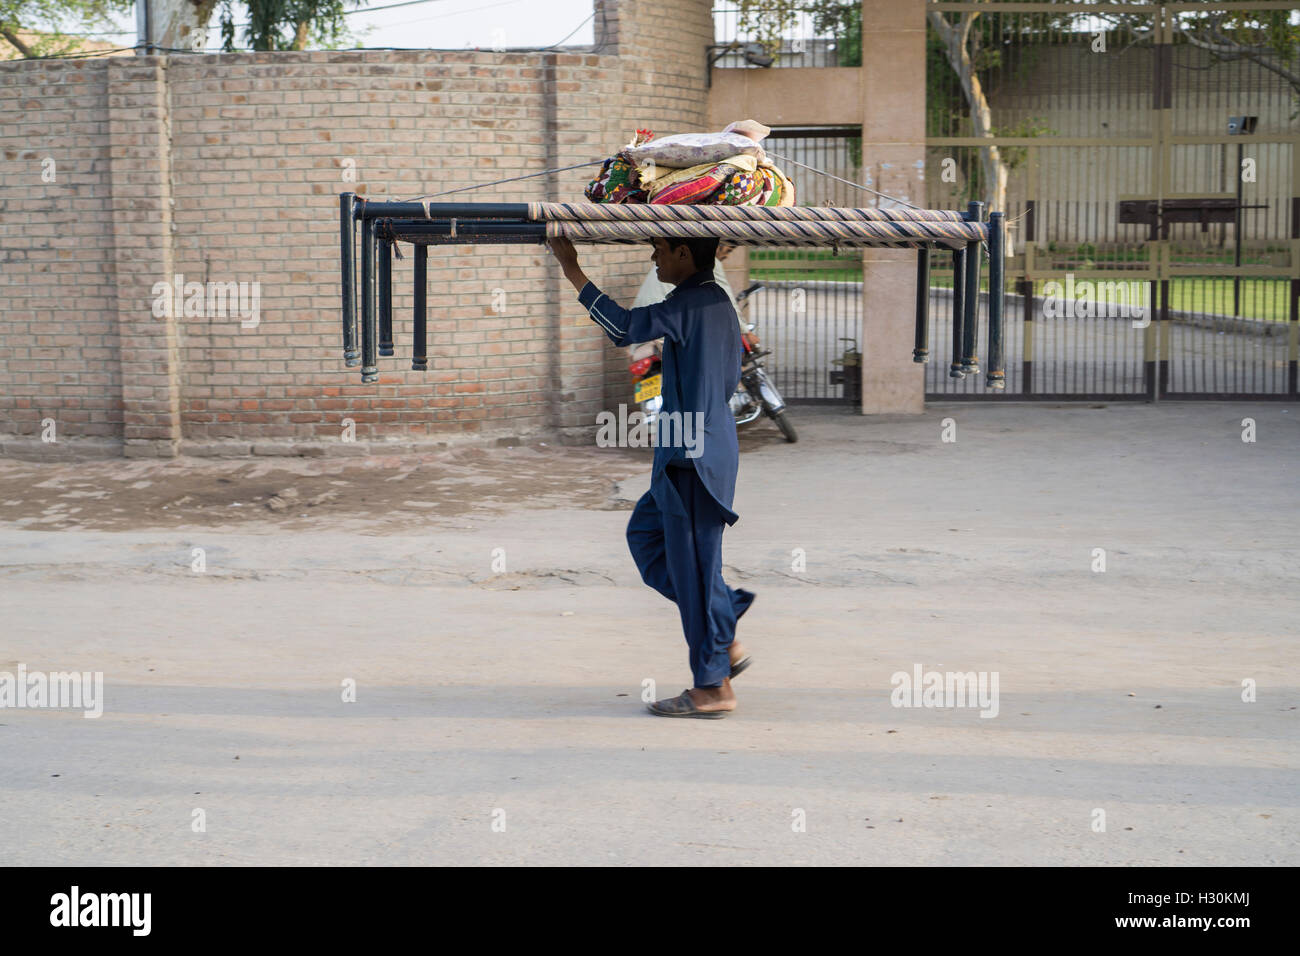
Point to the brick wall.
(59, 352)
(227, 169)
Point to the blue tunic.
(701, 368)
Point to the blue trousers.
(681, 558)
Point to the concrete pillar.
(141, 211)
(893, 147)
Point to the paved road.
(512, 693)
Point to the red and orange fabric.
(740, 180)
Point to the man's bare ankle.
(714, 694)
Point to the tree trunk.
(300, 35)
(17, 43)
(955, 39)
(172, 23)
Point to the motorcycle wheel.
(787, 429)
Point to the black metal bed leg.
(970, 363)
(921, 353)
(369, 361)
(347, 255)
(958, 309)
(385, 297)
(996, 377)
(420, 351)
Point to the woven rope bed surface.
(757, 225)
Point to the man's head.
(677, 259)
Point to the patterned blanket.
(740, 180)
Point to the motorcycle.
(755, 395)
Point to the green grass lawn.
(1265, 299)
(1261, 298)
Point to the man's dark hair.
(703, 250)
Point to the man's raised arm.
(623, 326)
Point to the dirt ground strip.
(385, 493)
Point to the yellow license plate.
(649, 388)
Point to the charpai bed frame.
(424, 224)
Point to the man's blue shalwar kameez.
(675, 533)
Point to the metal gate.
(809, 311)
(1152, 163)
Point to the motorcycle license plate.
(649, 388)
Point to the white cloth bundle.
(694, 149)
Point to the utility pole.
(143, 42)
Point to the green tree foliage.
(289, 24)
(55, 21)
(841, 19)
(1268, 38)
(767, 20)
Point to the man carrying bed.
(675, 533)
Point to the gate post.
(890, 111)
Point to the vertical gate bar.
(1148, 337)
(420, 350)
(1238, 220)
(1162, 342)
(1027, 336)
(958, 296)
(1163, 183)
(385, 296)
(970, 363)
(1293, 340)
(996, 376)
(1149, 333)
(921, 353)
(1027, 292)
(347, 229)
(369, 361)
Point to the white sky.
(451, 24)
(447, 24)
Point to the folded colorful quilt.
(616, 182)
(740, 180)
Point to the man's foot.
(714, 699)
(740, 659)
(707, 702)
